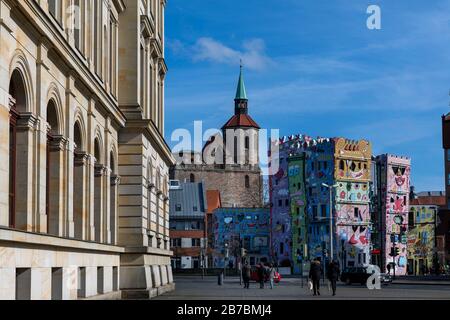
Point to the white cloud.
(252, 53)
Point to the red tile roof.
(241, 120)
(213, 200)
(429, 201)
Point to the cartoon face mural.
(281, 238)
(352, 159)
(421, 236)
(297, 192)
(235, 228)
(395, 185)
(352, 201)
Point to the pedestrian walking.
(261, 275)
(246, 275)
(333, 273)
(271, 272)
(315, 273)
(389, 268)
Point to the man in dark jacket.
(315, 272)
(333, 273)
(246, 275)
(261, 275)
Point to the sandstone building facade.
(229, 161)
(85, 210)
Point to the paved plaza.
(196, 288)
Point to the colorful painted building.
(353, 219)
(421, 237)
(241, 228)
(280, 215)
(337, 164)
(299, 221)
(393, 192)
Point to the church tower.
(241, 132)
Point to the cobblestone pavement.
(196, 288)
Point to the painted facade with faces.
(395, 186)
(352, 201)
(297, 194)
(281, 232)
(236, 228)
(319, 170)
(421, 238)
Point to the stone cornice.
(47, 241)
(58, 143)
(152, 134)
(80, 158)
(99, 170)
(115, 180)
(120, 5)
(27, 121)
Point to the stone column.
(24, 171)
(69, 154)
(56, 191)
(115, 180)
(4, 156)
(40, 221)
(81, 223)
(90, 177)
(106, 226)
(98, 202)
(41, 284)
(7, 283)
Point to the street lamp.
(225, 260)
(330, 188)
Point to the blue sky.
(313, 67)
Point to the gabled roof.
(213, 199)
(241, 120)
(429, 201)
(188, 196)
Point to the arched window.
(17, 144)
(341, 165)
(192, 178)
(247, 182)
(53, 172)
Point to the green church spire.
(241, 94)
